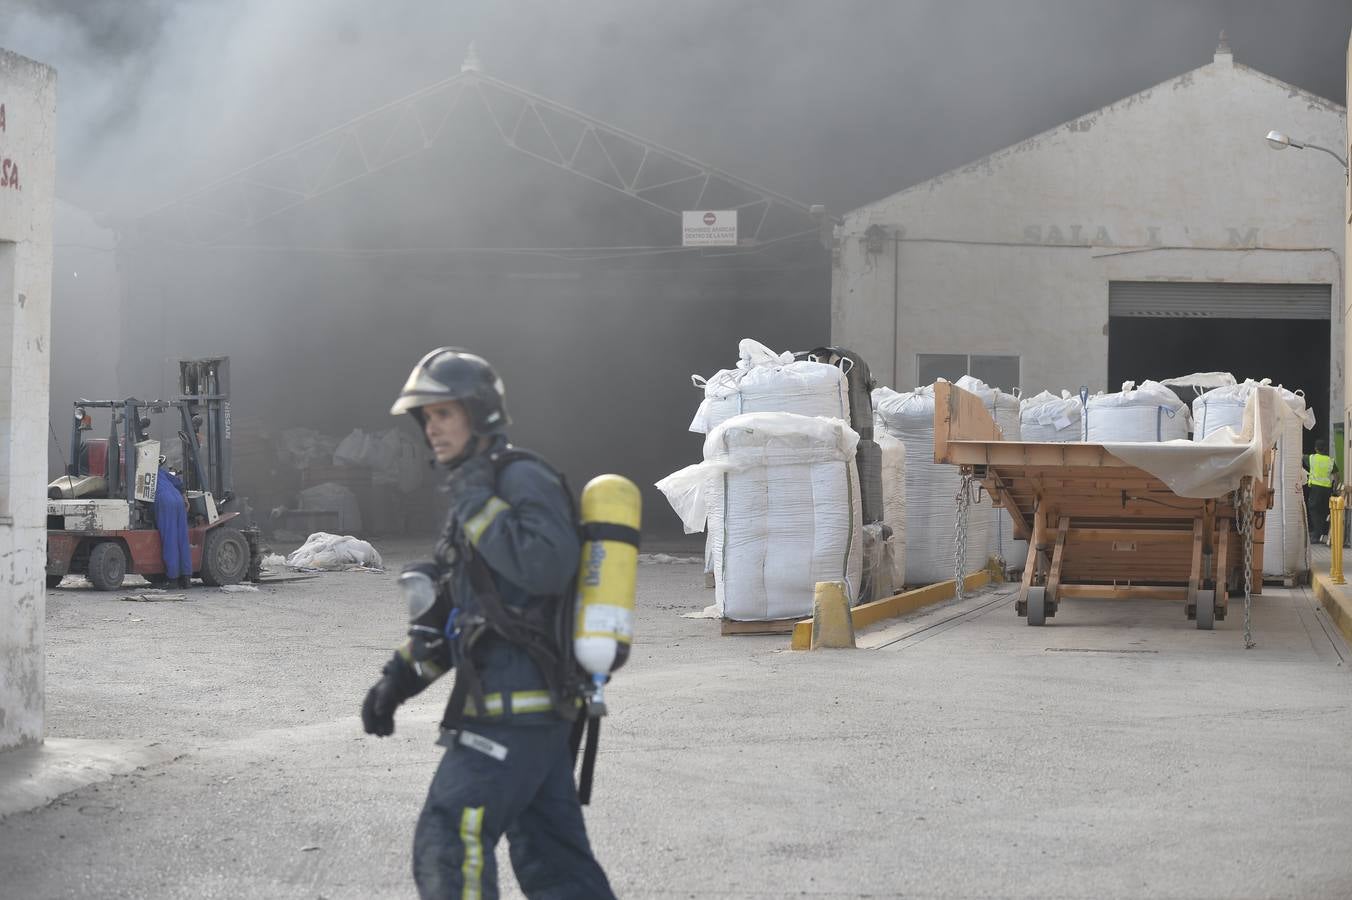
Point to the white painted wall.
(1013, 253)
(27, 143)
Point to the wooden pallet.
(770, 626)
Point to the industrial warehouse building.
(1156, 237)
(473, 213)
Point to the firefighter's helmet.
(449, 373)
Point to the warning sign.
(709, 228)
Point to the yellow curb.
(1338, 606)
(831, 622)
(894, 606)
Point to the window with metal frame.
(998, 371)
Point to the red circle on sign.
(710, 218)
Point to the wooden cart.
(1097, 526)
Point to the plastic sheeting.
(1049, 419)
(786, 507)
(322, 550)
(1150, 412)
(392, 455)
(894, 501)
(765, 381)
(1217, 464)
(931, 491)
(1285, 547)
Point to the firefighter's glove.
(398, 683)
(474, 476)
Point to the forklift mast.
(205, 386)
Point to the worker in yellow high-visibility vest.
(1323, 471)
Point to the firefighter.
(1323, 471)
(509, 542)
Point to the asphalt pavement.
(214, 750)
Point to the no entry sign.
(709, 228)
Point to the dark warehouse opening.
(1292, 352)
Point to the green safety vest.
(1321, 470)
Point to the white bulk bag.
(1284, 547)
(1004, 409)
(1049, 419)
(768, 382)
(785, 507)
(894, 501)
(931, 491)
(1150, 412)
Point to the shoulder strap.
(509, 454)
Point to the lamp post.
(1278, 141)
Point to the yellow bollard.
(1336, 506)
(832, 624)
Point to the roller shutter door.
(1215, 300)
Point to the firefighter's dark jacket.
(523, 527)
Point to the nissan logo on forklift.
(101, 513)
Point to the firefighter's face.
(447, 428)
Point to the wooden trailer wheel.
(1037, 606)
(1206, 610)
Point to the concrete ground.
(1117, 752)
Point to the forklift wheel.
(225, 557)
(107, 565)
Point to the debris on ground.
(709, 612)
(665, 559)
(332, 552)
(273, 561)
(152, 597)
(239, 588)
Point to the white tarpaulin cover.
(322, 550)
(786, 507)
(1285, 545)
(894, 501)
(1201, 380)
(1150, 412)
(765, 381)
(1049, 419)
(931, 491)
(1215, 465)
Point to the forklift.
(101, 513)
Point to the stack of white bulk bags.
(1150, 412)
(894, 502)
(789, 514)
(1049, 419)
(931, 491)
(1284, 547)
(1004, 409)
(765, 381)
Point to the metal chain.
(964, 501)
(1246, 522)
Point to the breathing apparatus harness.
(543, 630)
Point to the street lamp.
(1278, 141)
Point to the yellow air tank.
(606, 579)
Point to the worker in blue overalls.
(171, 520)
(507, 554)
